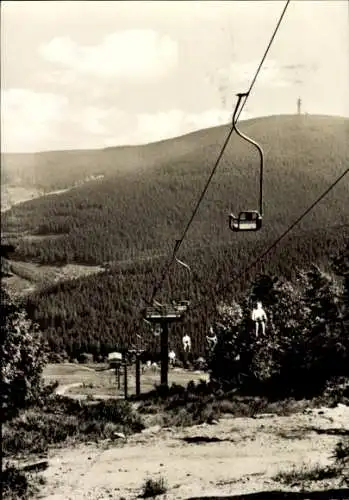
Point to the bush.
(63, 419)
(342, 452)
(14, 483)
(153, 488)
(23, 358)
(117, 412)
(17, 484)
(341, 456)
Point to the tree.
(261, 359)
(223, 361)
(280, 352)
(23, 357)
(328, 342)
(340, 266)
(306, 341)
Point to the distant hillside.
(144, 201)
(54, 170)
(62, 169)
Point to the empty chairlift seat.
(246, 221)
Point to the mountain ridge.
(145, 210)
(74, 165)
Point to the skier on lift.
(259, 317)
(186, 340)
(172, 357)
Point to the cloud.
(239, 75)
(58, 77)
(99, 121)
(158, 126)
(153, 127)
(34, 121)
(144, 54)
(28, 118)
(91, 119)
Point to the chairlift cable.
(180, 241)
(263, 59)
(282, 236)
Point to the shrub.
(117, 412)
(153, 488)
(18, 484)
(341, 456)
(23, 357)
(14, 482)
(342, 452)
(63, 419)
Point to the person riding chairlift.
(172, 357)
(186, 340)
(260, 318)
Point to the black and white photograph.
(175, 249)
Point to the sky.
(93, 74)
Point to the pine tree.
(327, 353)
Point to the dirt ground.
(243, 457)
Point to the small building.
(114, 359)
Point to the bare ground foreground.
(236, 456)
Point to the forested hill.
(102, 312)
(279, 135)
(131, 218)
(135, 213)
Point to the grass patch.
(62, 420)
(201, 403)
(153, 488)
(305, 474)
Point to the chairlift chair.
(248, 220)
(183, 305)
(174, 310)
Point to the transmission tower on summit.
(299, 105)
